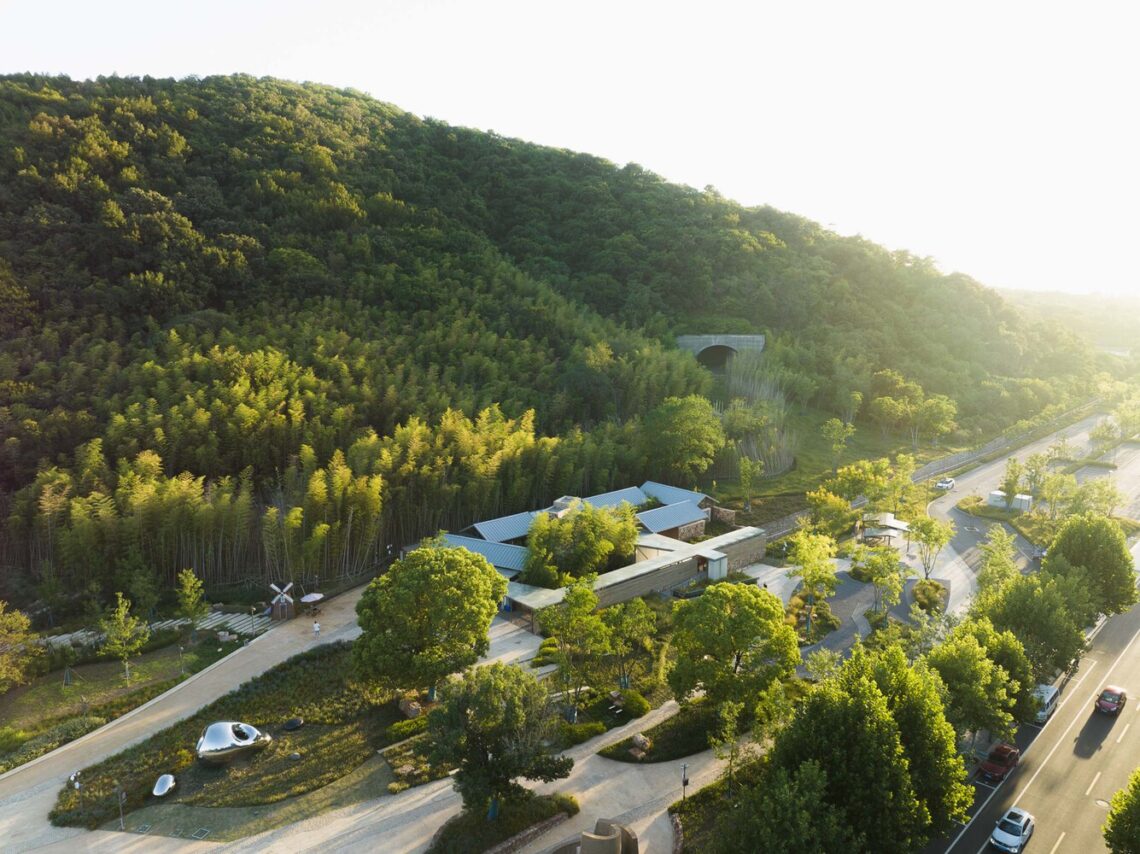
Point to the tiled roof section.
(508, 559)
(670, 516)
(632, 494)
(505, 527)
(671, 494)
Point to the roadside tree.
(1097, 545)
(750, 472)
(1011, 480)
(813, 559)
(1008, 652)
(1122, 829)
(124, 633)
(931, 537)
(427, 617)
(493, 725)
(785, 812)
(914, 699)
(998, 566)
(732, 643)
(845, 725)
(977, 689)
(1034, 608)
(1036, 470)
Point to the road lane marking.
(1093, 783)
(1123, 652)
(986, 802)
(1057, 844)
(1120, 737)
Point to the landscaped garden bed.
(47, 713)
(345, 722)
(471, 833)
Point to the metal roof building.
(506, 527)
(671, 516)
(632, 494)
(671, 494)
(508, 560)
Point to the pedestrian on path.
(316, 629)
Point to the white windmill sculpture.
(282, 604)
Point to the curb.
(94, 733)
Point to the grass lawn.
(345, 723)
(700, 811)
(228, 824)
(471, 833)
(684, 734)
(41, 716)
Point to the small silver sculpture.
(163, 786)
(225, 739)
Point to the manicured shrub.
(929, 595)
(634, 704)
(570, 734)
(406, 729)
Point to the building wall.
(745, 552)
(662, 579)
(686, 532)
(723, 514)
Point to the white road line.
(987, 785)
(1057, 844)
(1120, 737)
(1093, 783)
(986, 802)
(1123, 652)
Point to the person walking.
(316, 629)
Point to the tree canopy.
(732, 642)
(427, 617)
(492, 725)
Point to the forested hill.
(258, 327)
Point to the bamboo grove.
(269, 330)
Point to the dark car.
(1002, 759)
(1111, 700)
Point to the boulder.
(410, 708)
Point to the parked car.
(1040, 553)
(1111, 700)
(1013, 831)
(1001, 761)
(946, 484)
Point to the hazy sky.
(1001, 138)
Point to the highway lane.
(959, 561)
(1071, 767)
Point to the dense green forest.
(263, 329)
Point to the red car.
(1111, 700)
(1002, 759)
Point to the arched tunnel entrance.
(716, 357)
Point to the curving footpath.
(28, 793)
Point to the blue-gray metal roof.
(632, 494)
(671, 515)
(667, 494)
(508, 559)
(505, 527)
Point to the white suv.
(946, 483)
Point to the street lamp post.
(121, 797)
(181, 666)
(684, 779)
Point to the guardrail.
(786, 524)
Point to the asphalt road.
(960, 560)
(1071, 767)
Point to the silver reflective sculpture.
(163, 786)
(226, 739)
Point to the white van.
(1047, 698)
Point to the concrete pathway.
(29, 792)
